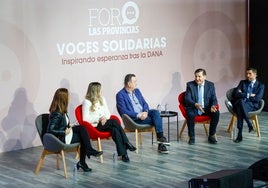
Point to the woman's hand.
(67, 131)
(102, 120)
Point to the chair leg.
(64, 164)
(206, 130)
(77, 156)
(152, 138)
(231, 125)
(256, 125)
(41, 160)
(183, 127)
(57, 162)
(140, 138)
(100, 149)
(137, 140)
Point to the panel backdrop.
(49, 44)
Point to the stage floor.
(146, 169)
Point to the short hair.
(252, 69)
(200, 70)
(128, 78)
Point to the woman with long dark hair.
(59, 125)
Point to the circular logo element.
(130, 13)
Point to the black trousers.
(118, 135)
(80, 135)
(242, 107)
(213, 122)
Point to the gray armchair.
(51, 144)
(253, 114)
(132, 126)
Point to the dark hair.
(200, 70)
(128, 78)
(60, 101)
(252, 69)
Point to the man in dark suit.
(200, 98)
(247, 96)
(130, 101)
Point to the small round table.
(168, 114)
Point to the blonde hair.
(60, 101)
(94, 94)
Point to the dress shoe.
(212, 140)
(94, 152)
(130, 147)
(251, 129)
(125, 158)
(191, 141)
(83, 166)
(238, 139)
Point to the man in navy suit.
(200, 98)
(130, 101)
(247, 96)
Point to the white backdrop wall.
(49, 44)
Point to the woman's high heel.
(83, 166)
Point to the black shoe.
(130, 147)
(251, 129)
(162, 148)
(163, 140)
(212, 140)
(95, 153)
(125, 158)
(191, 141)
(238, 139)
(83, 166)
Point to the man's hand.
(199, 107)
(143, 115)
(213, 108)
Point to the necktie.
(200, 97)
(249, 91)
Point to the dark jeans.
(153, 118)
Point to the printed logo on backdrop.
(114, 21)
(110, 22)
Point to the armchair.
(252, 115)
(51, 144)
(94, 133)
(203, 119)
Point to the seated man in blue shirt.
(130, 101)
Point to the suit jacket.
(57, 125)
(124, 105)
(258, 90)
(191, 95)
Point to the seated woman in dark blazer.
(59, 125)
